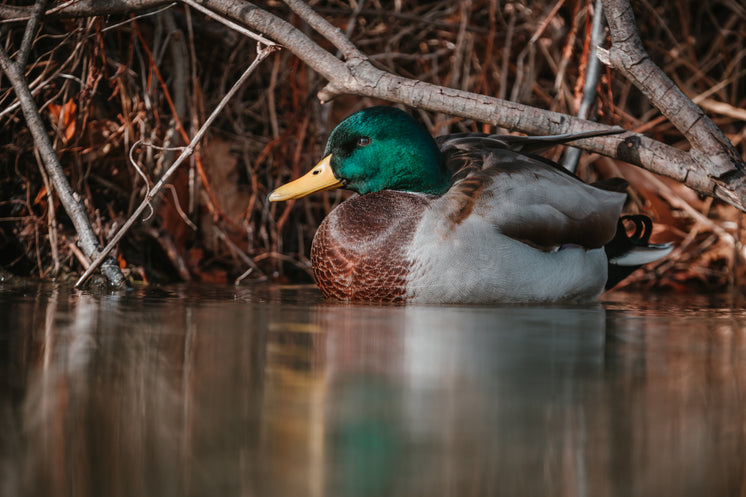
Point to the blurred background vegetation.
(106, 84)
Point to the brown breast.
(359, 251)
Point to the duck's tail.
(626, 252)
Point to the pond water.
(267, 391)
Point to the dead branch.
(28, 36)
(70, 199)
(186, 153)
(51, 218)
(711, 151)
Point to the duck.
(466, 218)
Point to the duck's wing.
(524, 144)
(525, 197)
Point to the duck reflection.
(463, 387)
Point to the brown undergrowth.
(137, 87)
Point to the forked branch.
(710, 150)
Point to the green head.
(384, 148)
(379, 148)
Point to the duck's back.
(524, 196)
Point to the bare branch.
(28, 36)
(70, 199)
(75, 9)
(226, 22)
(188, 150)
(711, 150)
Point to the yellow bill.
(318, 179)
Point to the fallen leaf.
(40, 196)
(68, 111)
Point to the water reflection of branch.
(104, 410)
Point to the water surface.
(268, 391)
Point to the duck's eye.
(363, 141)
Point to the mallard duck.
(463, 218)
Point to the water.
(265, 391)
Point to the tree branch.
(325, 28)
(186, 152)
(70, 199)
(711, 150)
(28, 36)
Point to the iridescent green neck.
(383, 148)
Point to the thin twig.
(51, 217)
(179, 210)
(135, 18)
(28, 36)
(221, 19)
(238, 280)
(82, 258)
(236, 250)
(263, 54)
(193, 109)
